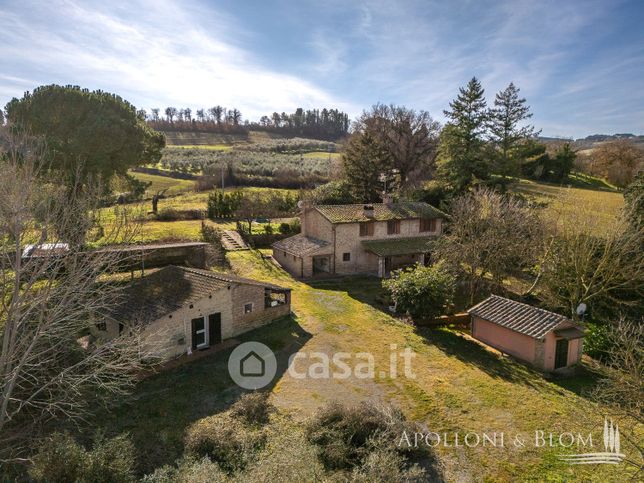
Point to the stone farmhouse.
(546, 340)
(180, 310)
(359, 238)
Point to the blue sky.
(580, 64)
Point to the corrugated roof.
(300, 244)
(517, 316)
(171, 288)
(394, 211)
(398, 246)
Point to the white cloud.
(153, 53)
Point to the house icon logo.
(252, 365)
(611, 454)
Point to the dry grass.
(564, 202)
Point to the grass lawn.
(458, 386)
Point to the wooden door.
(561, 353)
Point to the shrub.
(226, 440)
(597, 343)
(387, 466)
(346, 435)
(284, 228)
(61, 459)
(422, 292)
(188, 470)
(222, 204)
(296, 226)
(252, 408)
(210, 234)
(172, 214)
(268, 229)
(111, 460)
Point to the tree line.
(323, 123)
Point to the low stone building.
(179, 310)
(548, 341)
(359, 238)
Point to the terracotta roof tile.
(300, 244)
(171, 288)
(394, 211)
(519, 317)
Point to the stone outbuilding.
(548, 341)
(179, 310)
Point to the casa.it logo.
(611, 454)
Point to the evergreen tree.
(364, 160)
(463, 157)
(506, 133)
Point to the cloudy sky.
(580, 64)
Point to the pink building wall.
(536, 352)
(506, 340)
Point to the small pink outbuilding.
(548, 341)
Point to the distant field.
(160, 183)
(210, 147)
(605, 205)
(176, 138)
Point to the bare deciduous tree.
(490, 236)
(593, 260)
(50, 366)
(621, 389)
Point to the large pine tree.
(506, 131)
(462, 150)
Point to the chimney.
(368, 211)
(387, 199)
(304, 206)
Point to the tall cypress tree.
(462, 146)
(506, 133)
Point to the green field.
(159, 183)
(564, 204)
(458, 385)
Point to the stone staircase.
(231, 241)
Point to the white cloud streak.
(160, 54)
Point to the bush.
(225, 440)
(422, 292)
(252, 408)
(188, 470)
(62, 459)
(597, 343)
(333, 193)
(59, 458)
(387, 466)
(346, 435)
(172, 214)
(284, 228)
(268, 229)
(222, 204)
(111, 460)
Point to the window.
(427, 224)
(346, 257)
(393, 227)
(248, 308)
(366, 228)
(284, 254)
(102, 326)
